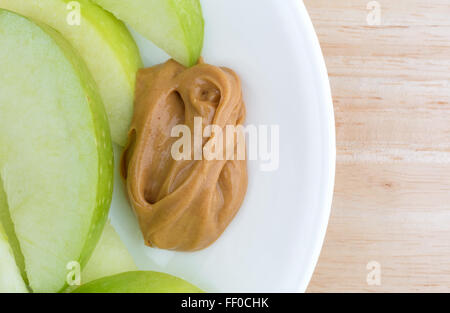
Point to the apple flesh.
(105, 45)
(176, 26)
(10, 279)
(56, 159)
(139, 282)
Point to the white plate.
(274, 242)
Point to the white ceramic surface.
(275, 240)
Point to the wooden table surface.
(391, 92)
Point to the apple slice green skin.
(139, 282)
(105, 45)
(56, 159)
(176, 26)
(10, 278)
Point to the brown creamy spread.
(183, 205)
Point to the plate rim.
(328, 116)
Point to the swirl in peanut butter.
(186, 204)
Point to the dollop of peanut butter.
(185, 204)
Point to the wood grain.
(391, 92)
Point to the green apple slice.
(10, 279)
(176, 26)
(138, 282)
(105, 45)
(110, 257)
(56, 160)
